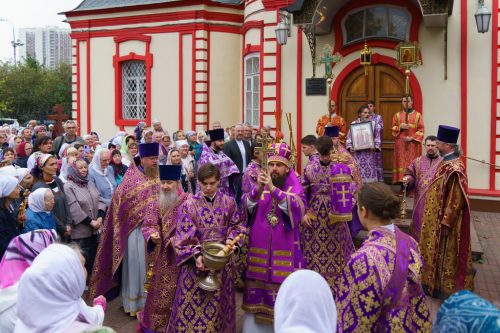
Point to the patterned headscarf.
(465, 311)
(75, 176)
(21, 252)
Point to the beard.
(432, 155)
(278, 180)
(151, 172)
(167, 199)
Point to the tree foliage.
(28, 90)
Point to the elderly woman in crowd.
(44, 172)
(129, 151)
(50, 292)
(101, 174)
(19, 255)
(194, 146)
(23, 150)
(9, 191)
(86, 210)
(39, 213)
(188, 163)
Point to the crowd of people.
(85, 220)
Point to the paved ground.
(487, 281)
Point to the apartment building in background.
(50, 45)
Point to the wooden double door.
(384, 85)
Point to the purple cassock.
(135, 195)
(194, 309)
(421, 171)
(327, 244)
(380, 287)
(224, 163)
(274, 249)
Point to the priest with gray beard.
(158, 230)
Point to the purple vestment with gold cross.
(327, 244)
(274, 251)
(197, 310)
(380, 288)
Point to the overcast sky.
(30, 14)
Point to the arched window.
(252, 89)
(376, 22)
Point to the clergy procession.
(176, 227)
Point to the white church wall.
(187, 77)
(83, 86)
(165, 80)
(225, 78)
(478, 100)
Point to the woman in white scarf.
(101, 174)
(50, 292)
(305, 305)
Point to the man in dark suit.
(238, 150)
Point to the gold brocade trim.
(335, 218)
(281, 273)
(257, 250)
(250, 283)
(258, 260)
(342, 178)
(283, 263)
(263, 308)
(282, 253)
(256, 269)
(263, 319)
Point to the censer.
(215, 256)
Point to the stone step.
(477, 249)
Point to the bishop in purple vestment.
(159, 230)
(418, 176)
(121, 245)
(214, 154)
(276, 206)
(380, 288)
(207, 216)
(326, 239)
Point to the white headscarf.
(180, 143)
(305, 305)
(21, 173)
(50, 292)
(96, 162)
(7, 185)
(36, 200)
(8, 170)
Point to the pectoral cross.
(266, 142)
(328, 59)
(343, 193)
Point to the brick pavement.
(487, 281)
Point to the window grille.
(134, 89)
(252, 89)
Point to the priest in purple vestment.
(380, 288)
(214, 154)
(275, 207)
(308, 147)
(326, 239)
(120, 258)
(418, 177)
(379, 122)
(366, 158)
(159, 230)
(207, 216)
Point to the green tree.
(28, 90)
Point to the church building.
(189, 63)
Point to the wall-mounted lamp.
(483, 17)
(283, 28)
